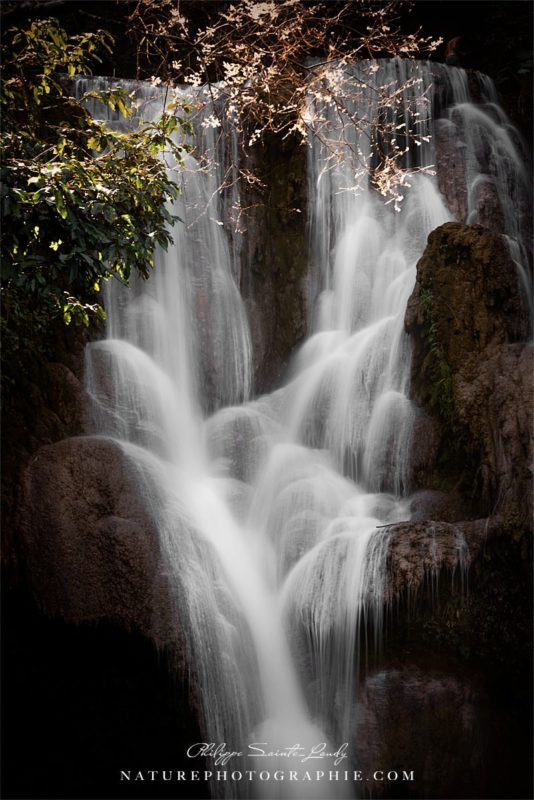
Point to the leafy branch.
(81, 201)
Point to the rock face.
(436, 504)
(275, 257)
(459, 577)
(450, 162)
(471, 371)
(90, 549)
(46, 403)
(419, 551)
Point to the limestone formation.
(90, 549)
(419, 551)
(471, 369)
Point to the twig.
(390, 524)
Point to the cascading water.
(269, 510)
(490, 183)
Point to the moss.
(436, 365)
(457, 462)
(464, 315)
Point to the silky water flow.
(272, 512)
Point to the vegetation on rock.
(471, 369)
(81, 202)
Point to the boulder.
(471, 370)
(468, 284)
(89, 546)
(420, 552)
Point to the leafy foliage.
(82, 202)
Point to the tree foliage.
(82, 202)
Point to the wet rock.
(419, 552)
(275, 257)
(468, 283)
(485, 200)
(66, 395)
(450, 159)
(90, 548)
(425, 439)
(48, 405)
(470, 370)
(495, 405)
(422, 553)
(434, 504)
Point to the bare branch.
(281, 67)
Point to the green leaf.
(60, 204)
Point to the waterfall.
(486, 158)
(272, 511)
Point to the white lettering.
(341, 754)
(316, 752)
(257, 748)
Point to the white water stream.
(268, 509)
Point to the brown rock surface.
(434, 504)
(475, 293)
(419, 551)
(450, 160)
(89, 546)
(470, 369)
(275, 257)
